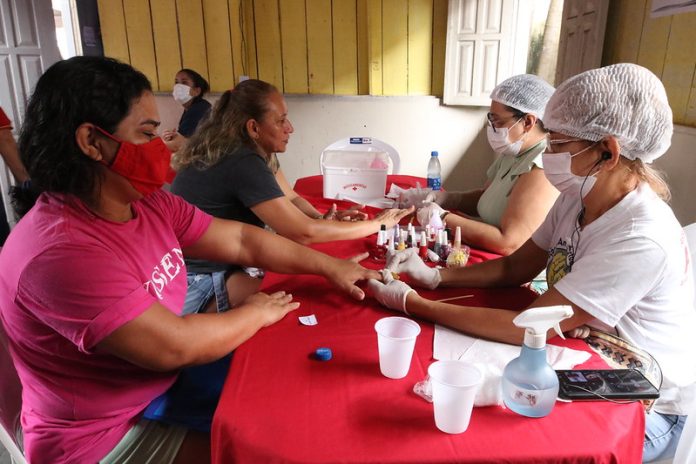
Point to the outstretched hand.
(274, 307)
(390, 292)
(408, 262)
(424, 213)
(391, 217)
(346, 272)
(353, 213)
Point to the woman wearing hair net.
(611, 246)
(516, 197)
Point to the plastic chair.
(10, 402)
(686, 448)
(363, 144)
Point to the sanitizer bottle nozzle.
(537, 322)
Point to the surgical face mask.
(182, 93)
(146, 165)
(557, 171)
(500, 142)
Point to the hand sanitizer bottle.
(530, 384)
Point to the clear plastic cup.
(454, 385)
(396, 338)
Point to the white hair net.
(525, 92)
(624, 100)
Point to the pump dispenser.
(530, 384)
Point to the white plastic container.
(356, 168)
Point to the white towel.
(492, 357)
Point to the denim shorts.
(662, 432)
(203, 287)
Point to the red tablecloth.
(281, 405)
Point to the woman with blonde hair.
(612, 248)
(229, 169)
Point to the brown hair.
(224, 131)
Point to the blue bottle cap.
(434, 153)
(323, 354)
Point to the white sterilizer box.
(356, 168)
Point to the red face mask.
(146, 165)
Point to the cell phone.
(615, 384)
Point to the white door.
(582, 37)
(27, 48)
(487, 42)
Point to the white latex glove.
(408, 262)
(423, 214)
(448, 200)
(414, 197)
(436, 196)
(391, 293)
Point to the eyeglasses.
(551, 142)
(498, 123)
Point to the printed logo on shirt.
(168, 268)
(560, 261)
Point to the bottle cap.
(433, 153)
(323, 354)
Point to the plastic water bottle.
(434, 176)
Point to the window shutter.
(487, 42)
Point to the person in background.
(189, 90)
(229, 169)
(8, 151)
(502, 215)
(92, 279)
(612, 248)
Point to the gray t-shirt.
(227, 190)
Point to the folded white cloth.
(492, 357)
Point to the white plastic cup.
(454, 385)
(396, 338)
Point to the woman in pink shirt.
(92, 279)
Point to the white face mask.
(500, 143)
(557, 171)
(182, 93)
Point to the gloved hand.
(436, 196)
(414, 197)
(391, 293)
(423, 214)
(408, 262)
(448, 200)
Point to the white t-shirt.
(630, 269)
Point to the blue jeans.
(203, 287)
(662, 432)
